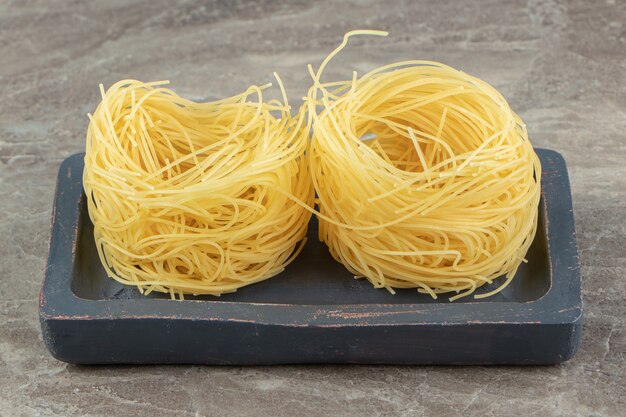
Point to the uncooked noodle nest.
(195, 198)
(424, 175)
(425, 178)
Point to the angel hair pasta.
(425, 177)
(195, 198)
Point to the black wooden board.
(315, 311)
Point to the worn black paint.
(315, 311)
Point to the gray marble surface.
(562, 65)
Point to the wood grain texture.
(282, 326)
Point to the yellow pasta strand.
(425, 177)
(195, 198)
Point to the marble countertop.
(560, 64)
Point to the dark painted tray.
(314, 312)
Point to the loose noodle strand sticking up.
(195, 198)
(424, 175)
